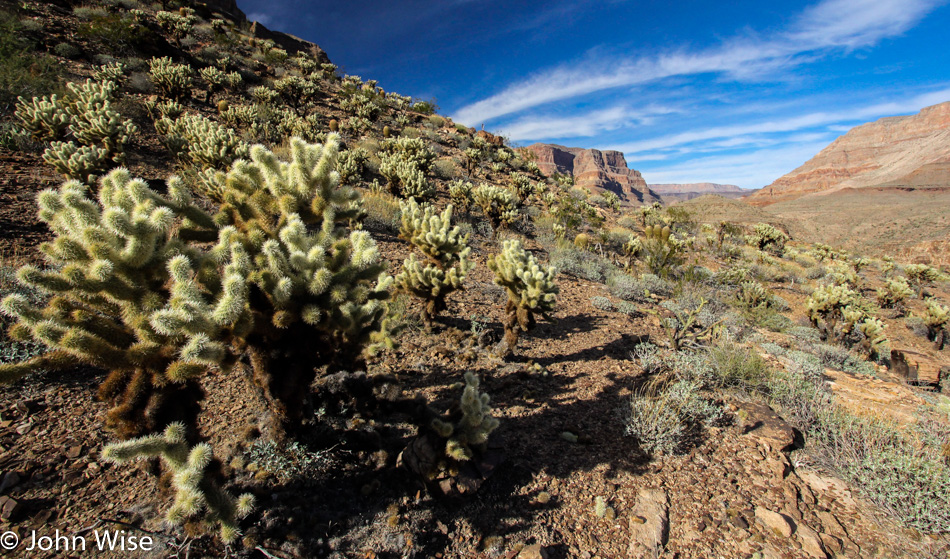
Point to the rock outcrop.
(907, 151)
(596, 171)
(671, 193)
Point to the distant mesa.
(596, 171)
(899, 151)
(671, 193)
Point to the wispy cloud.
(737, 133)
(584, 125)
(827, 26)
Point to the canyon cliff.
(596, 171)
(671, 193)
(900, 151)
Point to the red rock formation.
(894, 151)
(596, 171)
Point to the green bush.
(24, 72)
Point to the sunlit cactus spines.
(471, 432)
(498, 204)
(198, 495)
(531, 290)
(875, 340)
(446, 251)
(937, 320)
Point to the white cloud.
(830, 24)
(264, 18)
(753, 169)
(585, 125)
(740, 132)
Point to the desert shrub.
(570, 260)
(662, 423)
(114, 32)
(382, 212)
(601, 303)
(67, 50)
(445, 169)
(640, 289)
(425, 107)
(684, 325)
(23, 71)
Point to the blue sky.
(728, 92)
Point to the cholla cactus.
(893, 294)
(937, 319)
(77, 162)
(661, 251)
(859, 263)
(264, 95)
(612, 200)
(197, 492)
(920, 275)
(214, 78)
(404, 163)
(473, 429)
(753, 294)
(113, 73)
(835, 310)
(446, 250)
(531, 290)
(352, 163)
(523, 186)
(174, 80)
(203, 141)
(137, 289)
(45, 118)
(461, 194)
(767, 238)
(498, 204)
(295, 90)
(176, 24)
(875, 341)
(93, 122)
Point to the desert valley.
(253, 306)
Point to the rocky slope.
(596, 171)
(671, 193)
(911, 151)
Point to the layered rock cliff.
(680, 192)
(910, 151)
(596, 171)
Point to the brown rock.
(776, 522)
(909, 151)
(533, 552)
(671, 193)
(811, 543)
(9, 508)
(915, 367)
(596, 171)
(648, 537)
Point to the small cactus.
(334, 125)
(387, 132)
(223, 106)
